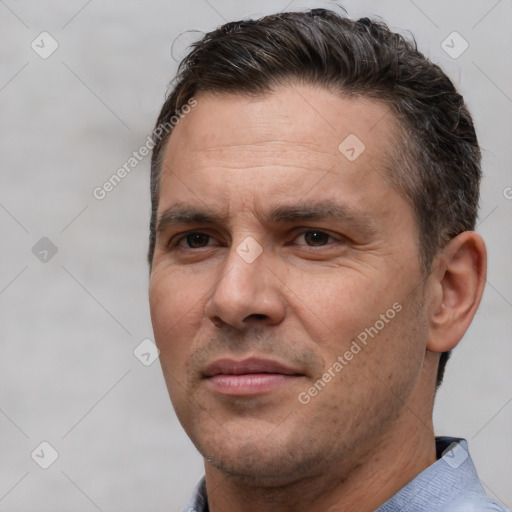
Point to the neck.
(371, 481)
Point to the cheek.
(173, 316)
(371, 368)
(370, 320)
(172, 294)
(175, 306)
(338, 304)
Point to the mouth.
(248, 377)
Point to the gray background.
(69, 325)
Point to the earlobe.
(458, 287)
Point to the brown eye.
(316, 238)
(195, 240)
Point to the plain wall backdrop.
(70, 321)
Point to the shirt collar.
(199, 501)
(451, 481)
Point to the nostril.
(217, 322)
(257, 316)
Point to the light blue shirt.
(451, 484)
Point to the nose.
(247, 294)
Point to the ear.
(458, 284)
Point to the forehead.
(298, 114)
(297, 140)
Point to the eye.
(194, 241)
(315, 238)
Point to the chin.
(263, 460)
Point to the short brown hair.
(437, 162)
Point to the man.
(315, 184)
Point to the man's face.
(279, 254)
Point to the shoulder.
(473, 503)
(451, 484)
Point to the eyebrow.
(187, 214)
(303, 211)
(325, 210)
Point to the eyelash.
(184, 236)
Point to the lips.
(247, 366)
(248, 377)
